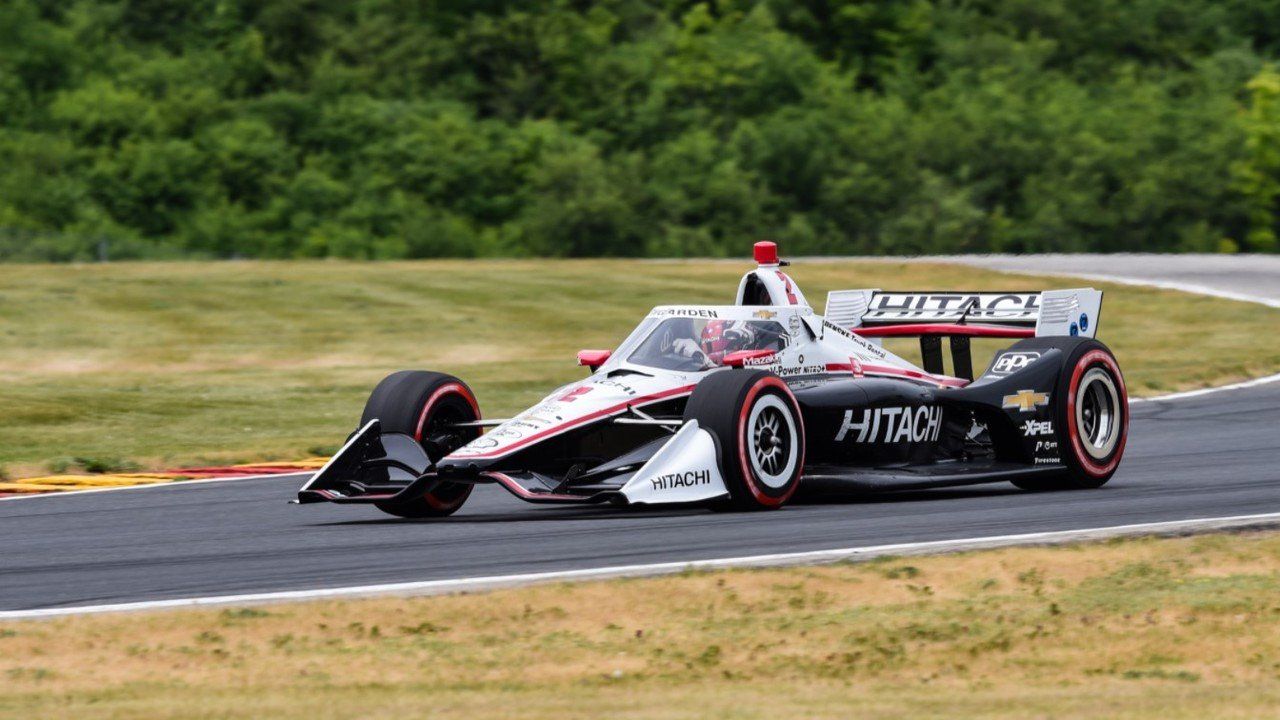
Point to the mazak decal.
(1034, 428)
(1012, 362)
(892, 424)
(692, 478)
(1025, 400)
(685, 312)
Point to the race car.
(742, 406)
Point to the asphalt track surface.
(1213, 455)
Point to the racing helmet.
(714, 342)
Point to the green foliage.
(389, 129)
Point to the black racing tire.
(1091, 415)
(418, 403)
(759, 431)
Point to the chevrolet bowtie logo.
(1025, 400)
(765, 314)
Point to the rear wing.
(984, 314)
(932, 315)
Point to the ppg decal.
(1012, 362)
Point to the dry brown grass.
(1186, 628)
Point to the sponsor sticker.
(1035, 428)
(764, 314)
(672, 481)
(876, 351)
(938, 305)
(623, 387)
(1025, 400)
(1012, 362)
(574, 394)
(1047, 446)
(685, 312)
(892, 424)
(795, 325)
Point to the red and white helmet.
(714, 341)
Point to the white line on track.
(858, 554)
(1159, 284)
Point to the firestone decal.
(672, 481)
(893, 424)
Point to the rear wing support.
(932, 315)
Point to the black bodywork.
(861, 433)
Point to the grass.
(1174, 628)
(161, 364)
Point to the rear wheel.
(759, 431)
(1091, 418)
(426, 406)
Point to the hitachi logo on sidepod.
(893, 424)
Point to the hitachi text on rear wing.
(960, 315)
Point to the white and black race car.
(740, 406)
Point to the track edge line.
(1173, 528)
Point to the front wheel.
(759, 432)
(426, 406)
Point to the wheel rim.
(1097, 419)
(772, 437)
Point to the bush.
(368, 129)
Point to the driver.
(719, 338)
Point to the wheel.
(423, 405)
(759, 431)
(1091, 417)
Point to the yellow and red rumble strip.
(62, 483)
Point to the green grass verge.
(156, 364)
(1162, 629)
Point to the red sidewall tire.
(723, 404)
(408, 402)
(1098, 470)
(764, 495)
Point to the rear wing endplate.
(1049, 313)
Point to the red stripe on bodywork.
(948, 329)
(943, 380)
(576, 422)
(515, 488)
(786, 287)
